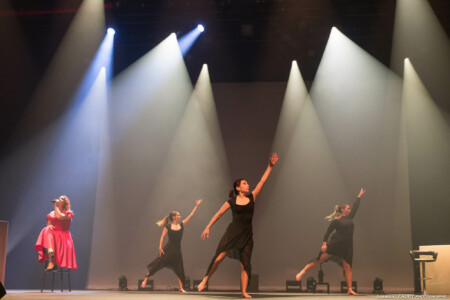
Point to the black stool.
(416, 257)
(58, 270)
(293, 286)
(321, 282)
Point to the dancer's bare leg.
(144, 282)
(323, 257)
(216, 264)
(180, 285)
(348, 277)
(244, 283)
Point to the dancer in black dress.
(340, 246)
(237, 242)
(170, 255)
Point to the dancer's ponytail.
(336, 213)
(163, 222)
(234, 191)
(167, 219)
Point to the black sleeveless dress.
(238, 238)
(340, 245)
(172, 257)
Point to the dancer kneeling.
(340, 246)
(237, 242)
(170, 255)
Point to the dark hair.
(234, 191)
(169, 218)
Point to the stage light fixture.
(200, 28)
(311, 285)
(378, 286)
(111, 31)
(123, 283)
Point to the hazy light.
(186, 41)
(425, 42)
(111, 31)
(144, 111)
(200, 28)
(358, 103)
(50, 128)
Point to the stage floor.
(135, 295)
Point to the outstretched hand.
(198, 202)
(205, 234)
(361, 192)
(273, 159)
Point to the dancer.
(170, 255)
(237, 242)
(340, 246)
(55, 241)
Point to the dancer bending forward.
(237, 242)
(340, 246)
(170, 255)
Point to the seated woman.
(55, 241)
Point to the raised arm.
(197, 203)
(163, 235)
(58, 214)
(356, 204)
(222, 210)
(273, 160)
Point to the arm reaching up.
(197, 204)
(272, 161)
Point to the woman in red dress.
(55, 241)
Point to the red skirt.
(62, 244)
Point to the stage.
(172, 295)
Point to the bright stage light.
(111, 31)
(200, 28)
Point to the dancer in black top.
(170, 255)
(237, 242)
(340, 246)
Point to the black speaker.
(148, 286)
(293, 286)
(2, 290)
(187, 283)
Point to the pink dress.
(60, 240)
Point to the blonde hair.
(336, 214)
(169, 218)
(66, 205)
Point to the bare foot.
(202, 285)
(183, 291)
(144, 283)
(299, 275)
(245, 295)
(351, 292)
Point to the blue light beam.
(186, 41)
(103, 58)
